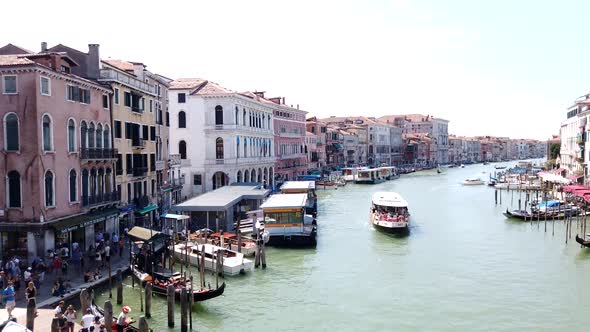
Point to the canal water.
(464, 267)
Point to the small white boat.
(233, 262)
(389, 212)
(462, 166)
(472, 182)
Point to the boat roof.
(285, 201)
(223, 198)
(298, 185)
(389, 198)
(368, 169)
(175, 216)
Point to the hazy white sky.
(506, 68)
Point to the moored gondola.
(585, 243)
(98, 311)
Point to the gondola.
(585, 243)
(98, 311)
(160, 282)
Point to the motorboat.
(462, 166)
(389, 212)
(369, 176)
(233, 262)
(499, 167)
(472, 182)
(286, 221)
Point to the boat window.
(283, 217)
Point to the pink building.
(57, 157)
(289, 137)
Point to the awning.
(143, 234)
(147, 209)
(175, 216)
(81, 221)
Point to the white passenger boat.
(287, 223)
(472, 182)
(303, 187)
(228, 241)
(369, 175)
(233, 262)
(349, 173)
(389, 212)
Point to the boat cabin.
(303, 187)
(286, 221)
(390, 203)
(369, 175)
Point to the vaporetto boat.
(233, 262)
(389, 212)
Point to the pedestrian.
(2, 279)
(98, 259)
(120, 247)
(87, 320)
(71, 316)
(122, 319)
(64, 268)
(62, 322)
(31, 296)
(107, 253)
(9, 298)
(59, 309)
(56, 264)
(28, 275)
(115, 241)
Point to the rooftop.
(285, 201)
(222, 199)
(298, 185)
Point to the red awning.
(572, 188)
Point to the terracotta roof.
(256, 97)
(120, 64)
(13, 49)
(14, 60)
(199, 86)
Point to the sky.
(502, 68)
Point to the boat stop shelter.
(220, 208)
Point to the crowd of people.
(66, 319)
(56, 266)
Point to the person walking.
(120, 247)
(87, 320)
(9, 298)
(71, 316)
(31, 296)
(59, 309)
(115, 241)
(107, 253)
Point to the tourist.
(59, 309)
(87, 320)
(41, 268)
(64, 267)
(97, 323)
(107, 253)
(97, 274)
(56, 264)
(120, 247)
(122, 319)
(115, 241)
(62, 323)
(9, 298)
(71, 316)
(31, 296)
(28, 275)
(65, 252)
(88, 276)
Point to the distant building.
(319, 129)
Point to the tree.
(554, 150)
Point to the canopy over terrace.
(221, 207)
(572, 188)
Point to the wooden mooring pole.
(143, 324)
(170, 295)
(119, 280)
(183, 310)
(148, 300)
(31, 314)
(108, 312)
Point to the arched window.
(108, 181)
(219, 148)
(181, 119)
(182, 149)
(14, 194)
(83, 135)
(218, 115)
(237, 115)
(93, 182)
(73, 186)
(245, 147)
(244, 117)
(99, 136)
(100, 182)
(238, 147)
(107, 137)
(246, 176)
(91, 136)
(71, 136)
(11, 133)
(239, 177)
(49, 189)
(263, 118)
(47, 133)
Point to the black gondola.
(161, 280)
(585, 243)
(98, 311)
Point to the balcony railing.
(174, 160)
(98, 153)
(159, 165)
(104, 198)
(139, 171)
(107, 74)
(242, 160)
(138, 143)
(174, 183)
(292, 135)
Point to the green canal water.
(464, 267)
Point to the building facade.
(319, 129)
(58, 156)
(221, 136)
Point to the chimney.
(297, 106)
(283, 100)
(92, 62)
(259, 93)
(43, 47)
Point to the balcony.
(160, 165)
(174, 183)
(100, 199)
(98, 153)
(138, 143)
(242, 161)
(109, 75)
(137, 109)
(139, 171)
(291, 135)
(174, 160)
